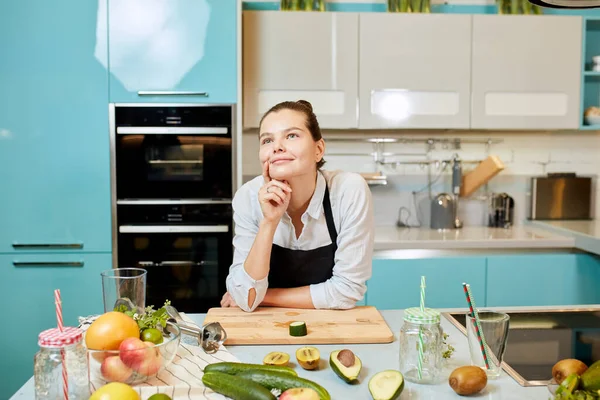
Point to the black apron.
(294, 268)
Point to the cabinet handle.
(47, 245)
(48, 263)
(170, 93)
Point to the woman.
(303, 237)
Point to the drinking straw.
(59, 320)
(420, 360)
(478, 330)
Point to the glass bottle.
(56, 346)
(421, 333)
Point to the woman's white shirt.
(352, 210)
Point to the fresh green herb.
(150, 318)
(578, 395)
(449, 349)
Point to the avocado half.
(343, 368)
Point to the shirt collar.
(315, 206)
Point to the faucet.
(456, 184)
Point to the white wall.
(524, 154)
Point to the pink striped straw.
(59, 320)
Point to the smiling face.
(288, 146)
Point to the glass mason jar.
(421, 334)
(56, 346)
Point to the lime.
(159, 396)
(152, 335)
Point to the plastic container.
(419, 326)
(58, 348)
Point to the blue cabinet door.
(395, 284)
(543, 280)
(185, 47)
(27, 284)
(54, 137)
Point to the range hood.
(572, 4)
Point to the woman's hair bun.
(305, 104)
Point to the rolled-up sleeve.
(353, 258)
(238, 281)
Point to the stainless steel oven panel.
(165, 202)
(160, 130)
(173, 228)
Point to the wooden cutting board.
(270, 325)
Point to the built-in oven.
(186, 249)
(172, 169)
(173, 151)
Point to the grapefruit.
(109, 330)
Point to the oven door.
(186, 264)
(173, 163)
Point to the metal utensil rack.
(425, 159)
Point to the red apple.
(133, 352)
(114, 370)
(299, 394)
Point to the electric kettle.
(442, 212)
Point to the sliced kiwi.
(308, 357)
(276, 358)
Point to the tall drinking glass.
(124, 284)
(494, 326)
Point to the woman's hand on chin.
(274, 196)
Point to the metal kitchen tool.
(456, 183)
(210, 336)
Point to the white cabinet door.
(300, 55)
(415, 70)
(526, 72)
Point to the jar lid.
(416, 316)
(55, 338)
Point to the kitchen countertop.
(586, 234)
(377, 357)
(471, 237)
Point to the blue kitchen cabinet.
(173, 51)
(27, 284)
(543, 280)
(54, 141)
(395, 283)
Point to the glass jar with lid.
(421, 334)
(57, 350)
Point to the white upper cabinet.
(415, 70)
(526, 72)
(301, 55)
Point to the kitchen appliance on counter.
(456, 184)
(442, 212)
(561, 196)
(501, 211)
(172, 185)
(538, 340)
(444, 207)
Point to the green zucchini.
(234, 368)
(298, 328)
(283, 382)
(386, 385)
(235, 387)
